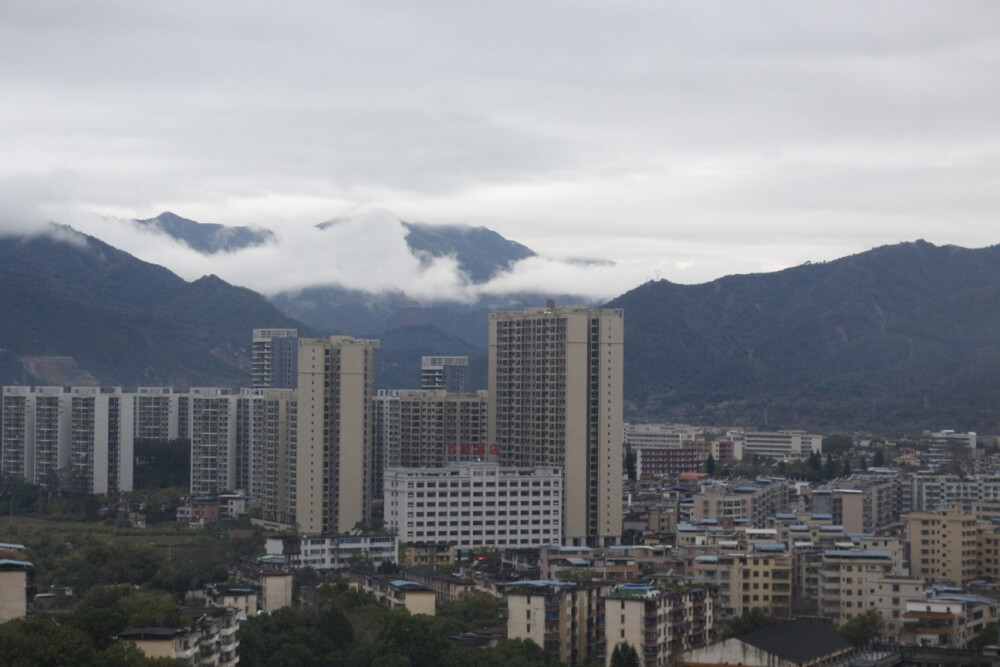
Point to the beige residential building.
(658, 624)
(943, 545)
(745, 581)
(555, 388)
(334, 425)
(854, 581)
(560, 617)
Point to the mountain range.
(898, 339)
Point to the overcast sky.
(682, 140)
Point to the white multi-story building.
(324, 552)
(158, 414)
(213, 441)
(555, 389)
(101, 440)
(417, 428)
(669, 436)
(778, 444)
(475, 505)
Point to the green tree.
(472, 610)
(987, 637)
(41, 642)
(710, 465)
(864, 628)
(878, 459)
(750, 620)
(625, 655)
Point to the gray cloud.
(684, 140)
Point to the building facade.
(334, 430)
(274, 360)
(555, 388)
(475, 505)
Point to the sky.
(679, 140)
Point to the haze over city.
(684, 141)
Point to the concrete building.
(100, 440)
(393, 593)
(158, 414)
(943, 545)
(213, 432)
(334, 427)
(36, 429)
(560, 617)
(555, 388)
(751, 501)
(427, 429)
(444, 373)
(947, 621)
(274, 458)
(659, 462)
(274, 360)
(475, 505)
(853, 581)
(17, 582)
(638, 436)
(759, 579)
(778, 444)
(658, 624)
(324, 552)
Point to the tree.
(625, 655)
(878, 459)
(709, 466)
(864, 628)
(42, 642)
(750, 620)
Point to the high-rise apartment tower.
(555, 388)
(274, 361)
(334, 424)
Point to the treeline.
(344, 628)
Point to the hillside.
(110, 318)
(896, 339)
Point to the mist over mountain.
(206, 238)
(898, 339)
(79, 311)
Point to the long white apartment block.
(669, 436)
(79, 437)
(778, 444)
(476, 505)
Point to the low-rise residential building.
(17, 582)
(323, 552)
(394, 593)
(778, 444)
(948, 621)
(562, 618)
(658, 623)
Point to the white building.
(274, 359)
(475, 505)
(324, 552)
(778, 444)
